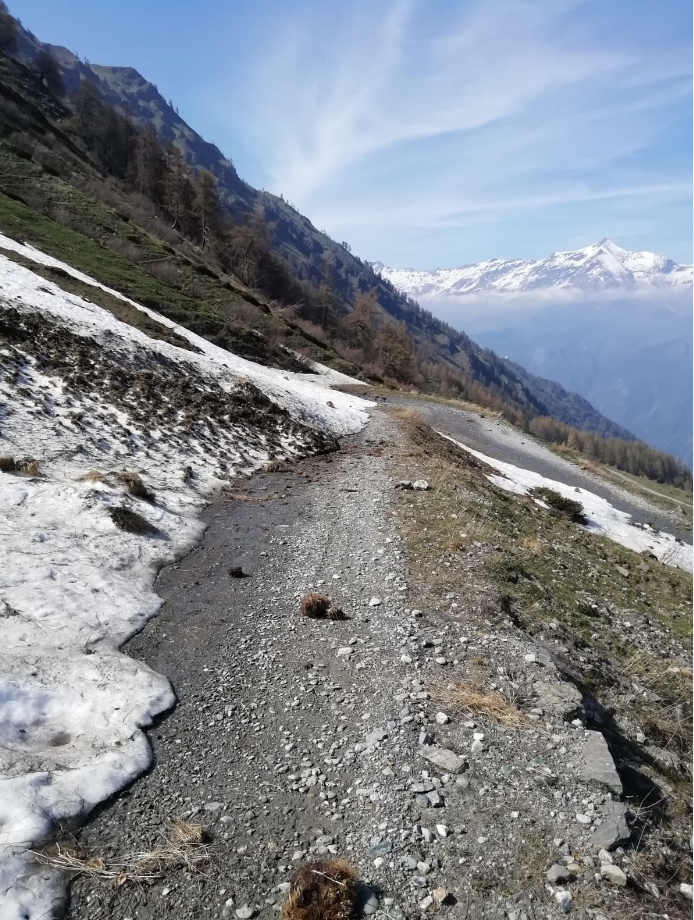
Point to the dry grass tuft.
(135, 486)
(183, 847)
(28, 465)
(315, 605)
(186, 833)
(319, 607)
(92, 476)
(407, 414)
(276, 466)
(532, 544)
(321, 890)
(125, 519)
(25, 465)
(486, 704)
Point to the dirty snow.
(73, 587)
(603, 517)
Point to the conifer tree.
(49, 73)
(206, 208)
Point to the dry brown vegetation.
(92, 476)
(276, 466)
(319, 607)
(470, 697)
(135, 486)
(184, 846)
(407, 414)
(25, 465)
(321, 890)
(131, 521)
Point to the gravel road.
(296, 738)
(499, 440)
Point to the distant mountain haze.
(612, 325)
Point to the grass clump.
(321, 890)
(183, 847)
(135, 486)
(131, 521)
(25, 465)
(319, 607)
(276, 466)
(470, 697)
(569, 507)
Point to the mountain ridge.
(598, 267)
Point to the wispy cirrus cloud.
(390, 119)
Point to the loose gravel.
(296, 738)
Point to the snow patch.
(603, 518)
(601, 266)
(74, 587)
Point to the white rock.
(426, 903)
(345, 651)
(584, 819)
(442, 718)
(606, 857)
(421, 485)
(375, 602)
(613, 874)
(442, 830)
(687, 891)
(478, 736)
(564, 900)
(477, 747)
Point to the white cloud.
(436, 115)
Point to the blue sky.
(428, 134)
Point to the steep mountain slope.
(307, 251)
(599, 267)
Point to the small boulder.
(613, 874)
(446, 760)
(557, 874)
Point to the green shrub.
(570, 508)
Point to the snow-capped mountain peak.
(599, 266)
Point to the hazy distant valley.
(612, 325)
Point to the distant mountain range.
(612, 325)
(600, 267)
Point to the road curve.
(501, 441)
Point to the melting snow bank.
(603, 518)
(89, 397)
